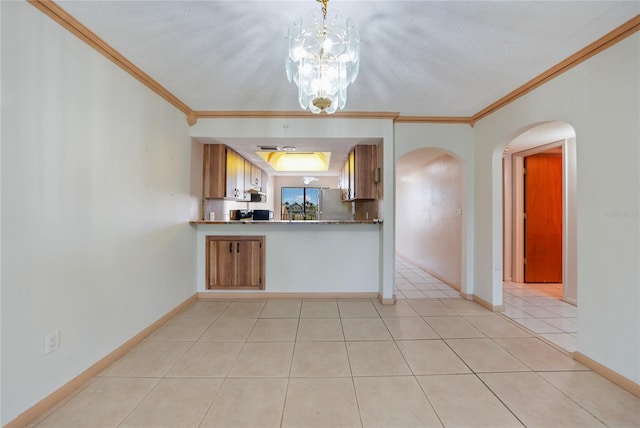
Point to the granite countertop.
(249, 221)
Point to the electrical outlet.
(51, 342)
(284, 269)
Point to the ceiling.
(418, 58)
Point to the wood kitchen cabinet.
(255, 177)
(214, 171)
(235, 176)
(344, 180)
(357, 176)
(227, 175)
(235, 262)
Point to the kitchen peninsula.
(279, 254)
(305, 256)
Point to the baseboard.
(484, 303)
(387, 301)
(74, 384)
(214, 295)
(607, 373)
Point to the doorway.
(539, 276)
(428, 224)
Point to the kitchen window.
(300, 203)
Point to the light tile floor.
(423, 362)
(535, 306)
(539, 308)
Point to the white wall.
(600, 99)
(95, 204)
(428, 229)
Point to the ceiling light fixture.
(297, 162)
(323, 60)
(308, 180)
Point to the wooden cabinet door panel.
(249, 263)
(352, 174)
(213, 171)
(344, 181)
(365, 164)
(232, 174)
(256, 177)
(222, 263)
(235, 262)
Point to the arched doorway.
(539, 235)
(429, 225)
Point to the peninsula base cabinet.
(235, 262)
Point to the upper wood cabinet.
(357, 176)
(214, 171)
(235, 176)
(226, 174)
(235, 262)
(255, 177)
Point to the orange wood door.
(543, 223)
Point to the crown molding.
(293, 114)
(62, 17)
(58, 14)
(396, 117)
(434, 119)
(618, 34)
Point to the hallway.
(536, 307)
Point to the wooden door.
(232, 174)
(344, 182)
(352, 174)
(213, 171)
(222, 263)
(245, 165)
(235, 262)
(543, 220)
(249, 263)
(256, 177)
(365, 164)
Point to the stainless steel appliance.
(332, 207)
(262, 215)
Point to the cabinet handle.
(238, 248)
(230, 247)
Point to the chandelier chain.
(324, 9)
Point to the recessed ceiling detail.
(297, 162)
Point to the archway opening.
(539, 236)
(428, 224)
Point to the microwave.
(262, 215)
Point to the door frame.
(513, 199)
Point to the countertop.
(267, 222)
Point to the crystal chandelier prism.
(323, 60)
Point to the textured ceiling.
(418, 58)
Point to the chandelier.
(323, 60)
